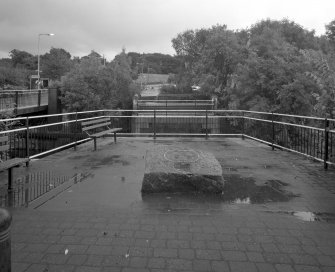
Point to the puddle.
(241, 190)
(309, 216)
(230, 169)
(108, 161)
(242, 201)
(237, 190)
(78, 157)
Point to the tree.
(272, 77)
(56, 63)
(91, 85)
(323, 74)
(23, 59)
(210, 56)
(330, 31)
(12, 77)
(260, 68)
(79, 87)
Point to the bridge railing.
(12, 100)
(310, 136)
(175, 104)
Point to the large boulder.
(180, 169)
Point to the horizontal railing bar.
(171, 100)
(13, 119)
(258, 112)
(64, 122)
(64, 114)
(12, 130)
(283, 123)
(58, 148)
(295, 125)
(164, 110)
(287, 149)
(33, 90)
(257, 119)
(300, 116)
(289, 115)
(174, 116)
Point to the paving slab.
(276, 214)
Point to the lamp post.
(38, 55)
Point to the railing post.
(154, 124)
(39, 98)
(10, 187)
(243, 125)
(5, 241)
(206, 124)
(76, 129)
(26, 191)
(325, 165)
(16, 102)
(27, 137)
(273, 131)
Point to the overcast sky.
(139, 25)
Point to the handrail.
(307, 138)
(164, 110)
(35, 90)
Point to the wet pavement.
(276, 213)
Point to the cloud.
(140, 25)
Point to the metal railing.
(311, 136)
(174, 104)
(14, 100)
(32, 186)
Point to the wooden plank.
(4, 148)
(115, 129)
(95, 121)
(12, 163)
(106, 132)
(95, 126)
(4, 139)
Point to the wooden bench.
(9, 164)
(98, 128)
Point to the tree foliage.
(92, 85)
(56, 63)
(155, 63)
(263, 68)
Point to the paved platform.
(277, 213)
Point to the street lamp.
(38, 53)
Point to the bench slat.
(85, 123)
(106, 132)
(12, 163)
(96, 126)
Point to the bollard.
(5, 244)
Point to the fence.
(38, 136)
(34, 185)
(311, 136)
(14, 100)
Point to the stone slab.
(181, 169)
